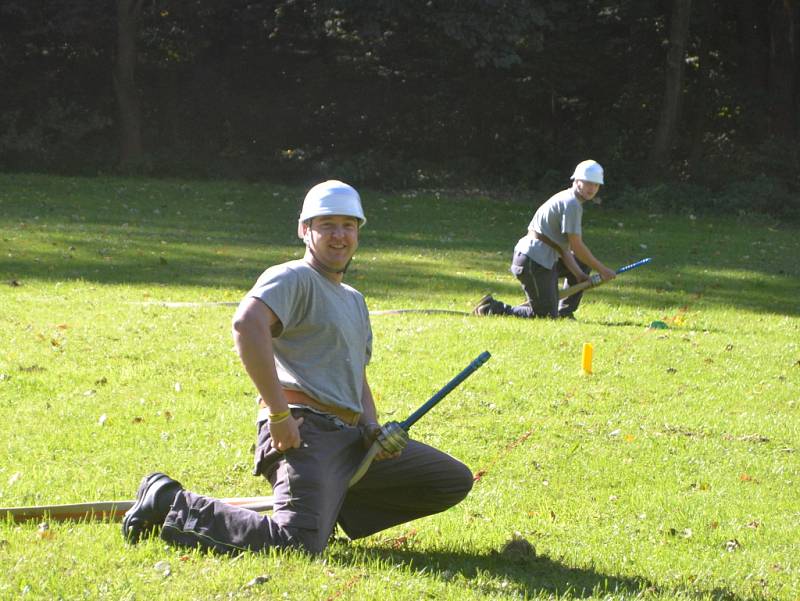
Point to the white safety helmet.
(331, 198)
(589, 171)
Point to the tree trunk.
(753, 31)
(782, 61)
(128, 17)
(670, 112)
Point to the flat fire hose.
(392, 439)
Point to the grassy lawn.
(671, 472)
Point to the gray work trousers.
(311, 495)
(541, 289)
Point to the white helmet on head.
(331, 198)
(589, 171)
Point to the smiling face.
(586, 190)
(332, 240)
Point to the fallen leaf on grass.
(754, 524)
(256, 581)
(163, 568)
(732, 545)
(43, 531)
(31, 368)
(14, 477)
(745, 477)
(685, 533)
(402, 542)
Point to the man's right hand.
(285, 434)
(580, 275)
(607, 274)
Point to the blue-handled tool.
(394, 436)
(392, 439)
(446, 389)
(596, 280)
(633, 265)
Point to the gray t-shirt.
(559, 216)
(326, 340)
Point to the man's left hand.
(370, 433)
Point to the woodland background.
(686, 104)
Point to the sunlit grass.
(670, 472)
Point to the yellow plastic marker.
(586, 360)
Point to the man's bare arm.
(253, 324)
(369, 421)
(585, 255)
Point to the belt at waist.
(297, 398)
(548, 241)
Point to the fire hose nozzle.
(393, 438)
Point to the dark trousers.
(541, 289)
(311, 495)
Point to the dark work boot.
(484, 305)
(153, 500)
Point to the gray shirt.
(557, 218)
(326, 339)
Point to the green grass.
(671, 472)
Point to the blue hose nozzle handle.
(633, 265)
(446, 389)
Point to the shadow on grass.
(534, 576)
(382, 280)
(112, 231)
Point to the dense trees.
(404, 93)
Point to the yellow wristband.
(276, 418)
